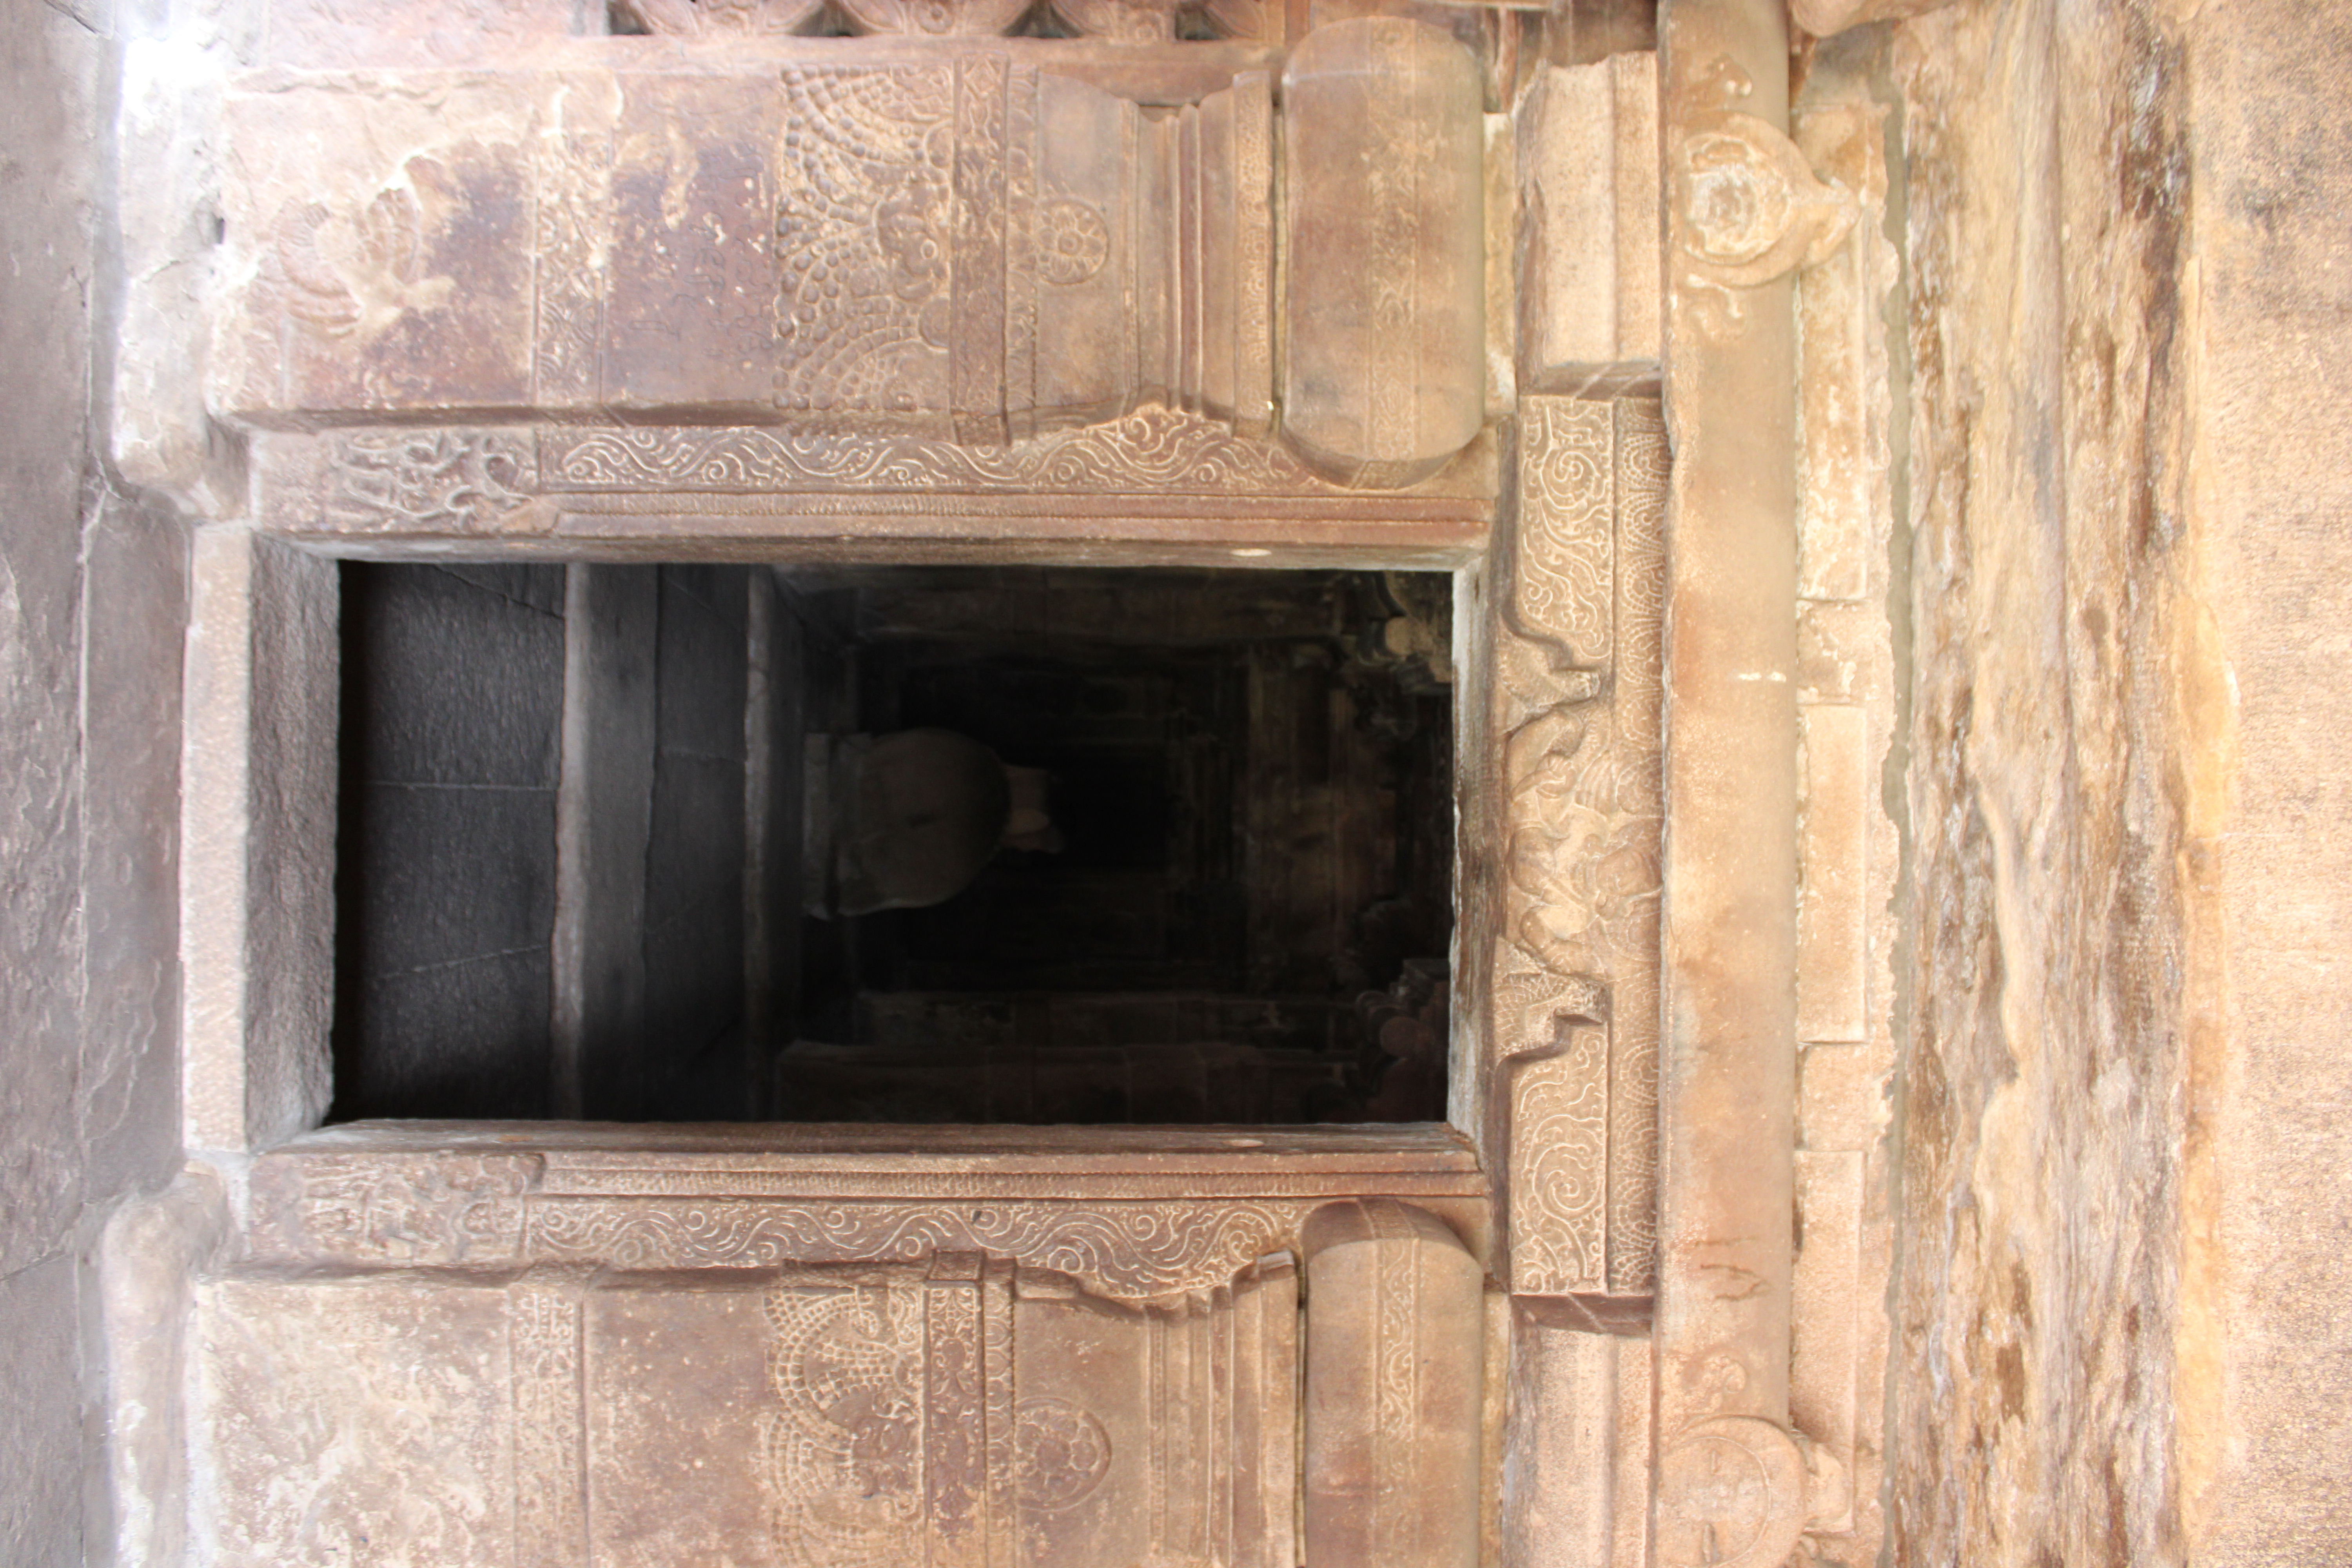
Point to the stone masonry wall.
(2037, 1276)
(2120, 1295)
(92, 593)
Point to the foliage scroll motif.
(1574, 982)
(1129, 1250)
(1153, 450)
(429, 481)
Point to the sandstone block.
(1589, 265)
(1395, 1318)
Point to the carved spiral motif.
(1731, 1492)
(1072, 242)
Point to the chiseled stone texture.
(84, 1010)
(2032, 1391)
(2266, 1385)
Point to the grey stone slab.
(446, 874)
(464, 1038)
(461, 671)
(702, 660)
(41, 1444)
(136, 601)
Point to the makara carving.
(1575, 976)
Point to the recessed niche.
(893, 844)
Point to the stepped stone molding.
(1204, 1213)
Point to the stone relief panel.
(952, 245)
(957, 1408)
(1574, 978)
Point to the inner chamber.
(692, 842)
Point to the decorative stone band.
(565, 482)
(1150, 1222)
(1573, 990)
(1111, 21)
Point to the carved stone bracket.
(1751, 208)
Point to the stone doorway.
(1143, 310)
(599, 849)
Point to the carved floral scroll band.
(1575, 969)
(480, 1211)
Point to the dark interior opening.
(894, 844)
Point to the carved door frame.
(1597, 1038)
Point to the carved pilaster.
(1574, 981)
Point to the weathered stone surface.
(2263, 1368)
(1395, 1325)
(41, 1510)
(154, 1250)
(314, 33)
(1588, 228)
(48, 65)
(134, 604)
(257, 873)
(359, 1421)
(2033, 1402)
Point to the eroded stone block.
(1589, 265)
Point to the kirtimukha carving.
(1575, 971)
